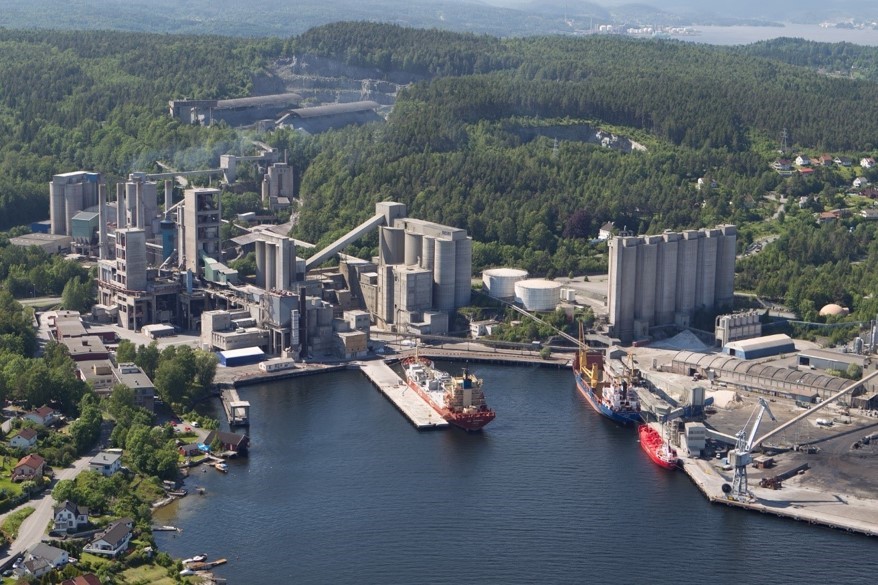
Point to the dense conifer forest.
(496, 136)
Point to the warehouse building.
(760, 347)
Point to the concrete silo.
(391, 245)
(725, 266)
(412, 248)
(687, 275)
(428, 252)
(444, 272)
(463, 273)
(666, 278)
(623, 285)
(705, 290)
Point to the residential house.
(113, 540)
(825, 160)
(870, 214)
(30, 467)
(803, 160)
(805, 170)
(106, 463)
(870, 192)
(843, 161)
(189, 450)
(607, 231)
(781, 164)
(826, 217)
(229, 441)
(24, 440)
(34, 568)
(860, 182)
(44, 415)
(54, 556)
(867, 162)
(87, 579)
(70, 516)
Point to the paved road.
(35, 525)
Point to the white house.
(70, 516)
(479, 328)
(860, 182)
(24, 440)
(30, 467)
(54, 556)
(44, 415)
(803, 161)
(113, 540)
(606, 231)
(34, 568)
(867, 162)
(106, 463)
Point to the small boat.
(201, 491)
(221, 467)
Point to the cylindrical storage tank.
(463, 285)
(537, 294)
(412, 248)
(443, 275)
(391, 245)
(428, 252)
(500, 282)
(260, 263)
(725, 269)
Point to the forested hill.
(497, 137)
(840, 59)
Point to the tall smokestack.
(102, 221)
(169, 196)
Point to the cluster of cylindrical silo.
(500, 282)
(447, 252)
(275, 261)
(664, 279)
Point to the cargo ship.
(657, 447)
(615, 398)
(457, 399)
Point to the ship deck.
(415, 408)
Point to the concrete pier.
(237, 410)
(406, 400)
(842, 512)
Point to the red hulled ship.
(457, 399)
(657, 447)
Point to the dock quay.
(846, 512)
(237, 410)
(415, 408)
(203, 566)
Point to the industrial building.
(663, 279)
(538, 294)
(760, 347)
(51, 243)
(70, 193)
(317, 119)
(753, 376)
(737, 326)
(234, 112)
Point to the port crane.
(741, 456)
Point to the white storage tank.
(500, 282)
(537, 294)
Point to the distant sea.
(743, 35)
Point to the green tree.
(126, 352)
(78, 295)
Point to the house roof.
(34, 566)
(27, 434)
(45, 411)
(116, 533)
(87, 579)
(44, 551)
(104, 458)
(226, 438)
(75, 508)
(33, 461)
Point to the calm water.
(339, 488)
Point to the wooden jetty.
(205, 565)
(415, 408)
(237, 410)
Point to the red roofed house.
(44, 415)
(24, 440)
(30, 467)
(87, 579)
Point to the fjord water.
(340, 488)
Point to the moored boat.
(221, 467)
(658, 449)
(457, 399)
(614, 398)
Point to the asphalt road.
(35, 526)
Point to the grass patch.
(152, 574)
(13, 522)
